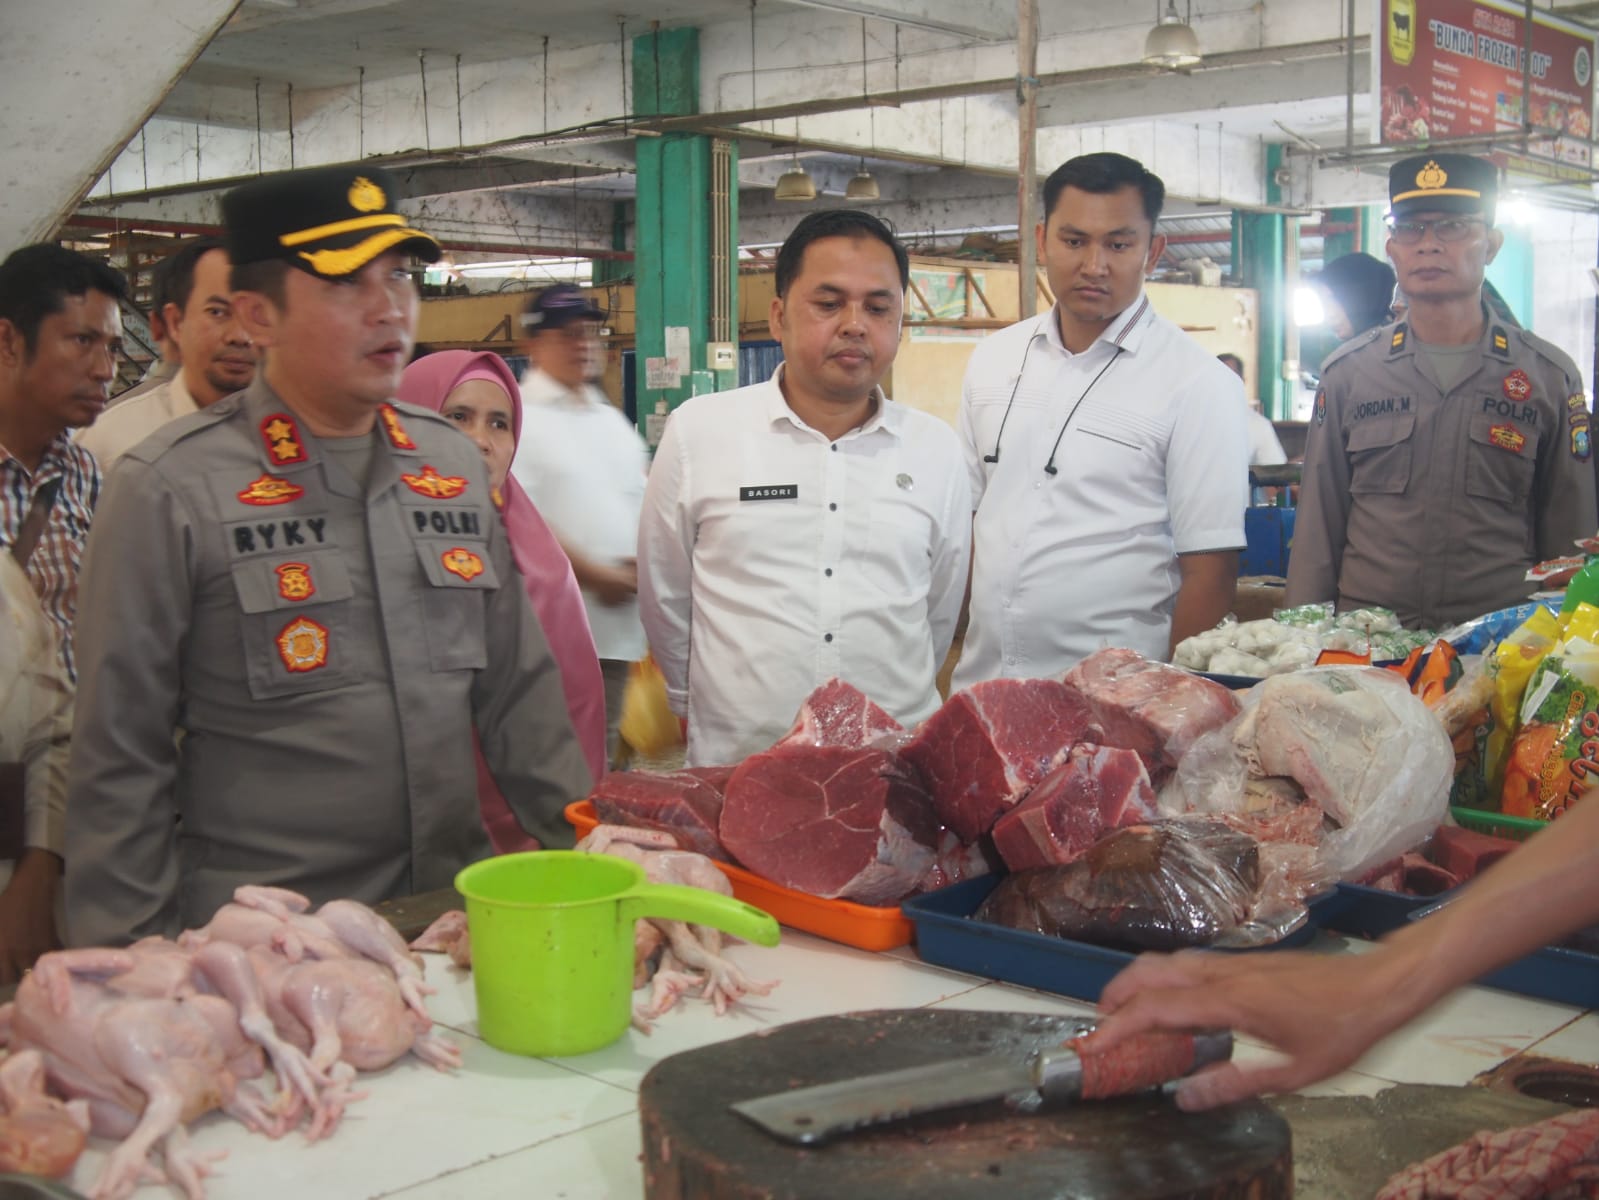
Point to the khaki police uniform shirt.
(1435, 504)
(325, 654)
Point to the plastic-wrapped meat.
(686, 804)
(1150, 707)
(1160, 886)
(840, 714)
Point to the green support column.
(674, 224)
(1261, 237)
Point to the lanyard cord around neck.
(1049, 467)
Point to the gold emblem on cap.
(366, 196)
(1431, 177)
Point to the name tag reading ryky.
(772, 491)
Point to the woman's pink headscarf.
(546, 572)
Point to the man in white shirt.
(583, 464)
(215, 354)
(808, 526)
(1107, 450)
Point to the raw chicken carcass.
(144, 1065)
(1150, 707)
(988, 744)
(1095, 790)
(691, 955)
(839, 714)
(339, 929)
(39, 1135)
(831, 822)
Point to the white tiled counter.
(567, 1129)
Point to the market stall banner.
(1454, 68)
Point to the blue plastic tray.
(1553, 973)
(946, 936)
(1367, 912)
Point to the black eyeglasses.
(1445, 229)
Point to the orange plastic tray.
(860, 925)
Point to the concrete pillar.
(683, 198)
(80, 79)
(1262, 236)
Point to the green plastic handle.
(675, 903)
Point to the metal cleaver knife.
(814, 1114)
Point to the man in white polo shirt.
(1107, 450)
(215, 355)
(582, 463)
(808, 526)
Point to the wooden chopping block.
(1135, 1148)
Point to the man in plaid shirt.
(60, 329)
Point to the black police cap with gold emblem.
(327, 221)
(1455, 183)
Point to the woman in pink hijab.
(476, 390)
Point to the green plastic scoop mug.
(552, 944)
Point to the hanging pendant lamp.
(1172, 43)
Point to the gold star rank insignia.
(269, 490)
(282, 438)
(458, 560)
(303, 645)
(431, 483)
(398, 438)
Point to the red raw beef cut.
(958, 861)
(1465, 852)
(830, 821)
(686, 804)
(990, 743)
(1412, 875)
(1155, 709)
(1097, 789)
(839, 714)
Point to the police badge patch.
(303, 645)
(1517, 386)
(1581, 443)
(1321, 406)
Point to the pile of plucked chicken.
(132, 1044)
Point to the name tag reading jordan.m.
(771, 491)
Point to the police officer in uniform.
(307, 584)
(1450, 451)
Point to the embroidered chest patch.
(1517, 386)
(269, 490)
(303, 645)
(1507, 437)
(294, 581)
(430, 483)
(462, 562)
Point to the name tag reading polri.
(772, 491)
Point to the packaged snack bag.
(1555, 757)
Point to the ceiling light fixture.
(1172, 43)
(795, 183)
(863, 186)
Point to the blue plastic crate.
(1268, 535)
(1368, 912)
(947, 936)
(1553, 973)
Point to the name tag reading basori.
(771, 491)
